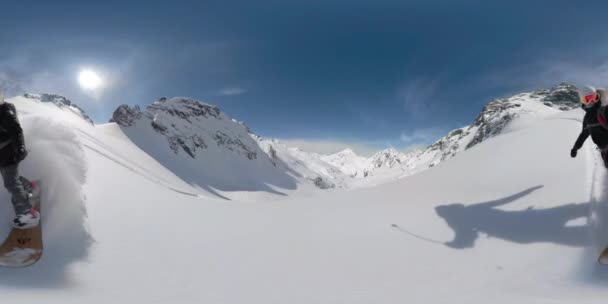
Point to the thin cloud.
(416, 95)
(422, 136)
(16, 73)
(232, 91)
(551, 70)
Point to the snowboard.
(23, 247)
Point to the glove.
(21, 154)
(573, 153)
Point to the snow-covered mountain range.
(207, 148)
(202, 132)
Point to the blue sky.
(322, 74)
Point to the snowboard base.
(23, 247)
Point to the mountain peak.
(498, 114)
(563, 96)
(61, 102)
(189, 125)
(181, 107)
(125, 115)
(184, 107)
(386, 158)
(346, 152)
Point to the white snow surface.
(511, 220)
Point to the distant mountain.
(201, 137)
(348, 162)
(307, 166)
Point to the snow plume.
(57, 159)
(598, 214)
(597, 220)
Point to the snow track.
(129, 165)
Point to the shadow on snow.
(530, 225)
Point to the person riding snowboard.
(12, 152)
(595, 123)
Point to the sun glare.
(89, 80)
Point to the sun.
(89, 80)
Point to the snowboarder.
(594, 102)
(12, 152)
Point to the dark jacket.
(592, 126)
(11, 135)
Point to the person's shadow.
(521, 226)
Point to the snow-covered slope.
(59, 101)
(504, 220)
(203, 146)
(496, 118)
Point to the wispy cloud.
(551, 70)
(232, 91)
(422, 136)
(16, 74)
(417, 94)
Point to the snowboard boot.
(27, 220)
(31, 218)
